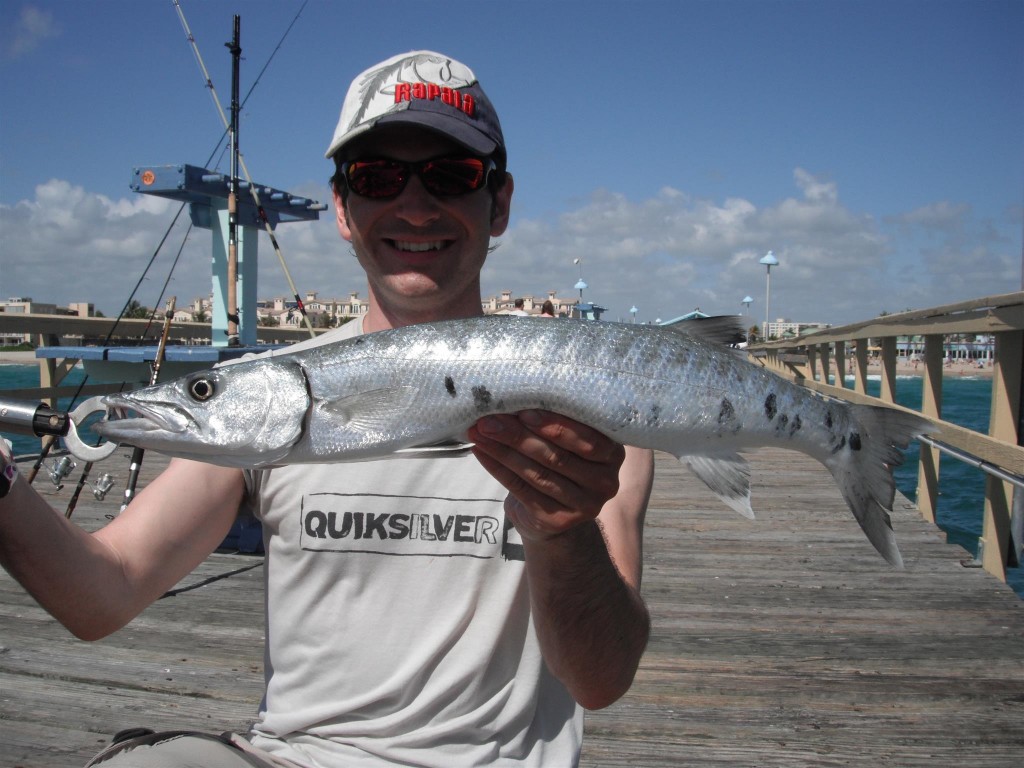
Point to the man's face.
(422, 254)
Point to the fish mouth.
(127, 417)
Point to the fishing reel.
(102, 485)
(60, 469)
(64, 466)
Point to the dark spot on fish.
(449, 385)
(796, 425)
(854, 441)
(726, 411)
(360, 340)
(838, 448)
(770, 407)
(783, 421)
(828, 419)
(482, 397)
(655, 416)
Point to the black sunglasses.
(382, 178)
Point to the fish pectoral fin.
(374, 409)
(443, 450)
(728, 477)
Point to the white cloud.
(31, 28)
(666, 254)
(68, 244)
(670, 254)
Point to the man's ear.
(502, 207)
(341, 217)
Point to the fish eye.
(201, 389)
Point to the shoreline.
(19, 357)
(955, 370)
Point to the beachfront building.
(978, 349)
(24, 305)
(505, 302)
(786, 329)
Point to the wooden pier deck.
(780, 642)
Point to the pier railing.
(810, 360)
(58, 330)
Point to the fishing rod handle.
(36, 419)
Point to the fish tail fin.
(863, 470)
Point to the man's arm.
(96, 583)
(578, 500)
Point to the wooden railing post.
(994, 543)
(931, 405)
(860, 381)
(841, 364)
(888, 393)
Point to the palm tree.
(135, 311)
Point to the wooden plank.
(784, 641)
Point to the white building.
(24, 305)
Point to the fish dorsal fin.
(720, 329)
(728, 477)
(370, 410)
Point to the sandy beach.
(18, 357)
(964, 368)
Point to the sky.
(876, 148)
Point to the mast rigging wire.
(49, 442)
(241, 160)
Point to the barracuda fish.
(420, 387)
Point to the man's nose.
(415, 204)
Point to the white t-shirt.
(399, 628)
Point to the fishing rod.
(29, 412)
(232, 311)
(261, 212)
(137, 453)
(50, 437)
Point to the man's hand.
(560, 473)
(578, 499)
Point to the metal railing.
(811, 359)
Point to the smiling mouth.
(418, 247)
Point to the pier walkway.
(785, 641)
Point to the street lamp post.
(769, 261)
(580, 285)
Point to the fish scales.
(421, 386)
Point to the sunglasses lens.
(444, 177)
(454, 176)
(376, 178)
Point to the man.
(519, 310)
(502, 595)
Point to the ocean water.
(965, 401)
